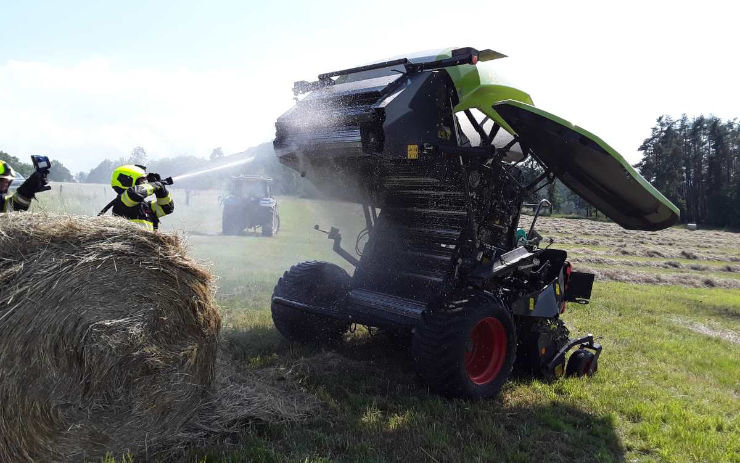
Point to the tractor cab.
(249, 203)
(251, 187)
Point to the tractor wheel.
(579, 363)
(312, 283)
(230, 223)
(468, 353)
(269, 228)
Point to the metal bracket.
(334, 235)
(586, 342)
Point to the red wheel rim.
(487, 351)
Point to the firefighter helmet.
(126, 176)
(6, 172)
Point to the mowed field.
(666, 308)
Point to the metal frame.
(459, 56)
(586, 342)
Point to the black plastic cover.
(579, 287)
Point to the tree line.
(286, 181)
(58, 172)
(696, 164)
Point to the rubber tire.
(579, 362)
(399, 340)
(229, 224)
(439, 345)
(269, 228)
(312, 283)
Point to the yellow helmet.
(126, 176)
(6, 172)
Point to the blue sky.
(82, 81)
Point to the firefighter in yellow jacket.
(21, 198)
(134, 185)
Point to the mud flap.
(579, 287)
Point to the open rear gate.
(589, 167)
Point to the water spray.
(213, 169)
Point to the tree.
(59, 173)
(137, 156)
(217, 153)
(101, 173)
(695, 163)
(23, 168)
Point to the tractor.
(250, 204)
(433, 146)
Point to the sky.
(82, 81)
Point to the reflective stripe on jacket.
(14, 202)
(132, 205)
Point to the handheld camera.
(42, 166)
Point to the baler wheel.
(580, 363)
(313, 283)
(467, 353)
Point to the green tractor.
(250, 204)
(432, 147)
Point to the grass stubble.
(665, 307)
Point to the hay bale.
(108, 337)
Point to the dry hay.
(671, 241)
(712, 330)
(677, 279)
(634, 256)
(109, 342)
(668, 264)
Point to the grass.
(674, 271)
(665, 392)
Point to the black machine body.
(443, 252)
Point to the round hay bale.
(108, 337)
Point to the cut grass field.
(667, 389)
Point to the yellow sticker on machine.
(531, 303)
(557, 289)
(412, 152)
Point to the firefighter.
(134, 185)
(21, 198)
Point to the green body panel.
(478, 87)
(485, 96)
(590, 167)
(581, 160)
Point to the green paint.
(479, 88)
(603, 145)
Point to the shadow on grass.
(377, 410)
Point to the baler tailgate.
(590, 167)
